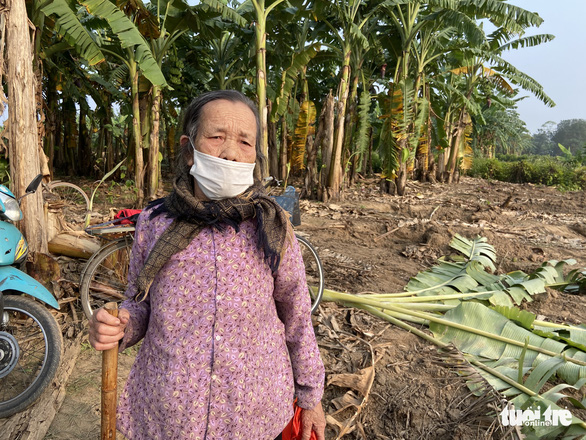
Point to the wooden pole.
(109, 384)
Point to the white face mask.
(219, 178)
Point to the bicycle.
(105, 274)
(76, 203)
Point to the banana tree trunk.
(70, 135)
(170, 116)
(430, 175)
(455, 147)
(327, 146)
(312, 178)
(273, 150)
(51, 125)
(154, 147)
(261, 81)
(22, 122)
(83, 145)
(401, 179)
(349, 130)
(137, 136)
(283, 159)
(367, 161)
(335, 173)
(108, 140)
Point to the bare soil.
(376, 242)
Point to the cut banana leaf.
(502, 338)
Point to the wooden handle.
(109, 384)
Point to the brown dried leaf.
(357, 381)
(346, 401)
(342, 427)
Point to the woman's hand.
(106, 330)
(313, 420)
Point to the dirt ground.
(375, 242)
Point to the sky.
(559, 66)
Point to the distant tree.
(571, 133)
(542, 140)
(500, 130)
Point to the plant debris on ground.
(373, 242)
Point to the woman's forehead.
(223, 114)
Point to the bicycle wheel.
(314, 271)
(76, 203)
(30, 352)
(105, 276)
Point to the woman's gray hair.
(192, 118)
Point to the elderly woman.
(217, 290)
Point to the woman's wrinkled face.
(227, 130)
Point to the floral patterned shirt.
(227, 344)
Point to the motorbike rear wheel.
(30, 352)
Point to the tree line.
(415, 86)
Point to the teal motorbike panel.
(12, 244)
(13, 279)
(6, 191)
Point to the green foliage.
(540, 170)
(377, 163)
(571, 133)
(4, 171)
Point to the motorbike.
(30, 337)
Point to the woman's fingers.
(313, 420)
(106, 330)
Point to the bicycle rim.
(105, 277)
(314, 272)
(76, 203)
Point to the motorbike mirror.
(34, 184)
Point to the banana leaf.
(298, 62)
(525, 396)
(129, 37)
(478, 316)
(73, 31)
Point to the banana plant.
(422, 44)
(502, 76)
(227, 62)
(467, 306)
(262, 11)
(345, 22)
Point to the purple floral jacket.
(227, 344)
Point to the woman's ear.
(186, 149)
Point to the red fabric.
(293, 430)
(125, 216)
